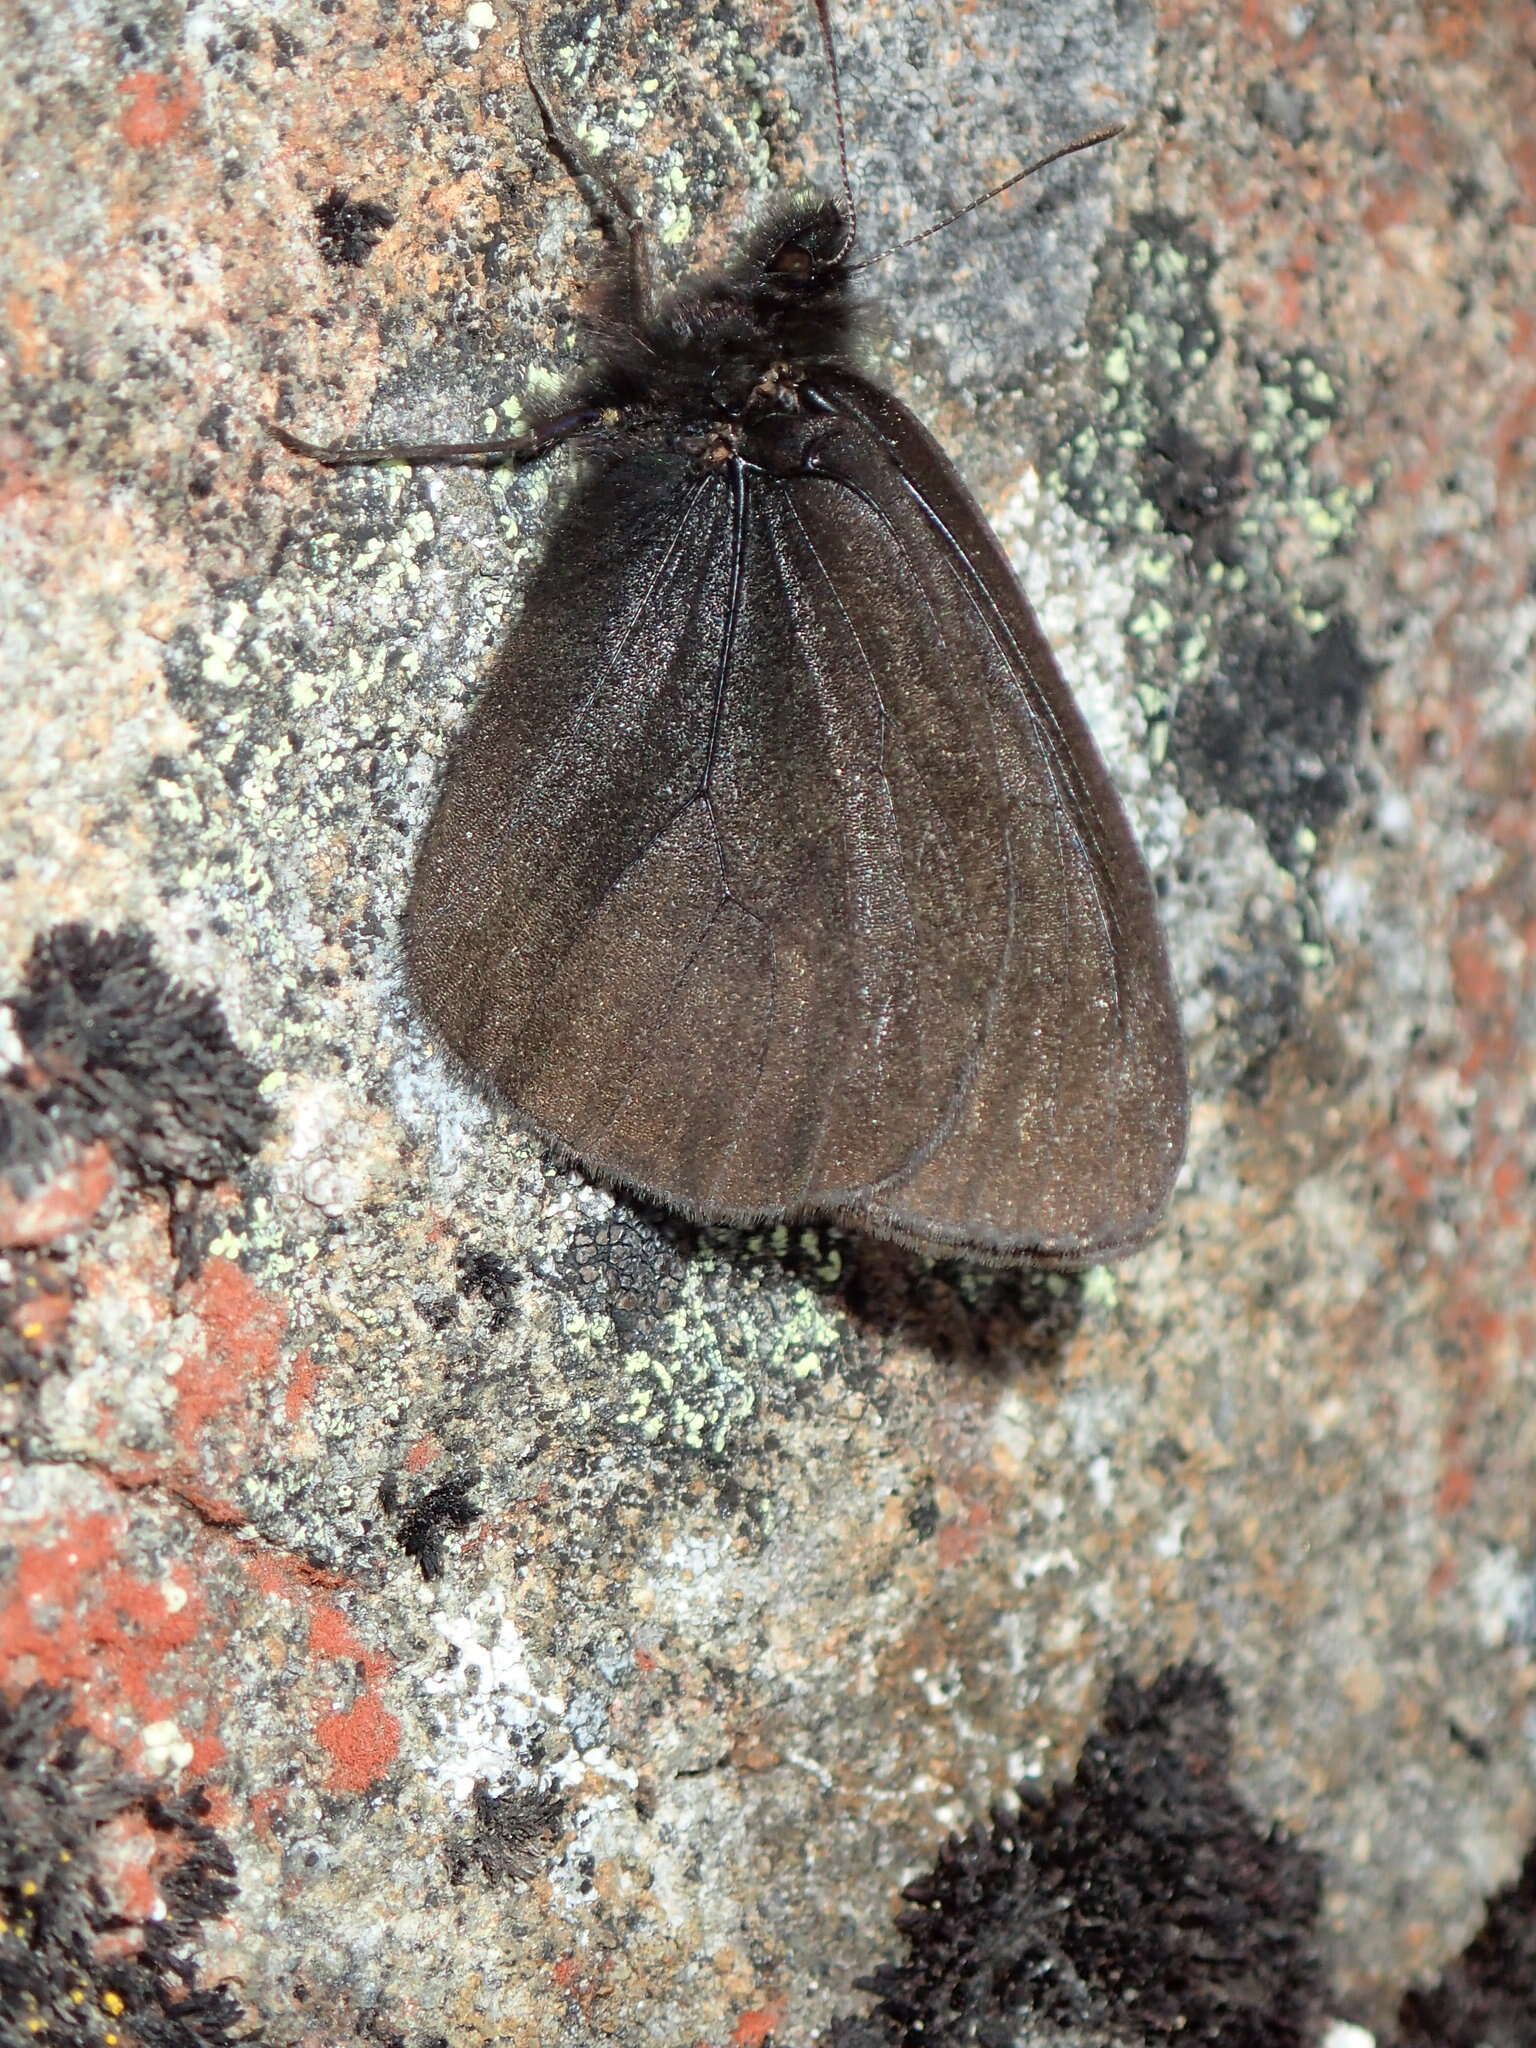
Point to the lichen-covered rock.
(584, 1625)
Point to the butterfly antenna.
(850, 210)
(982, 199)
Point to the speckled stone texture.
(582, 1625)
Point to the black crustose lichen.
(73, 1970)
(512, 1834)
(1142, 1896)
(424, 1525)
(349, 230)
(485, 1276)
(118, 1050)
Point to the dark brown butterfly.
(776, 873)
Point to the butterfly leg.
(527, 447)
(615, 212)
(620, 219)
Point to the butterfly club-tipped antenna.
(984, 198)
(850, 209)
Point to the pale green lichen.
(1152, 365)
(1099, 1288)
(674, 224)
(693, 1395)
(731, 1346)
(1151, 622)
(803, 1336)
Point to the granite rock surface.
(580, 1625)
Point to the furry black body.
(733, 352)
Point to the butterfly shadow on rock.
(981, 1322)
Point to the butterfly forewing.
(664, 901)
(777, 873)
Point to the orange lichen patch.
(304, 1375)
(332, 1635)
(67, 1204)
(74, 1617)
(224, 1514)
(157, 107)
(422, 1453)
(583, 1979)
(283, 1572)
(1268, 25)
(1455, 1490)
(1479, 1346)
(28, 341)
(1451, 31)
(1479, 982)
(209, 1751)
(755, 2027)
(242, 1329)
(208, 1507)
(362, 1741)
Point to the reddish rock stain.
(332, 1635)
(127, 1854)
(287, 1576)
(362, 1740)
(208, 1753)
(69, 1202)
(264, 1808)
(1456, 1490)
(422, 1454)
(156, 108)
(41, 1321)
(29, 340)
(959, 1540)
(77, 1619)
(223, 1514)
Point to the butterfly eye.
(793, 263)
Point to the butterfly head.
(801, 257)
